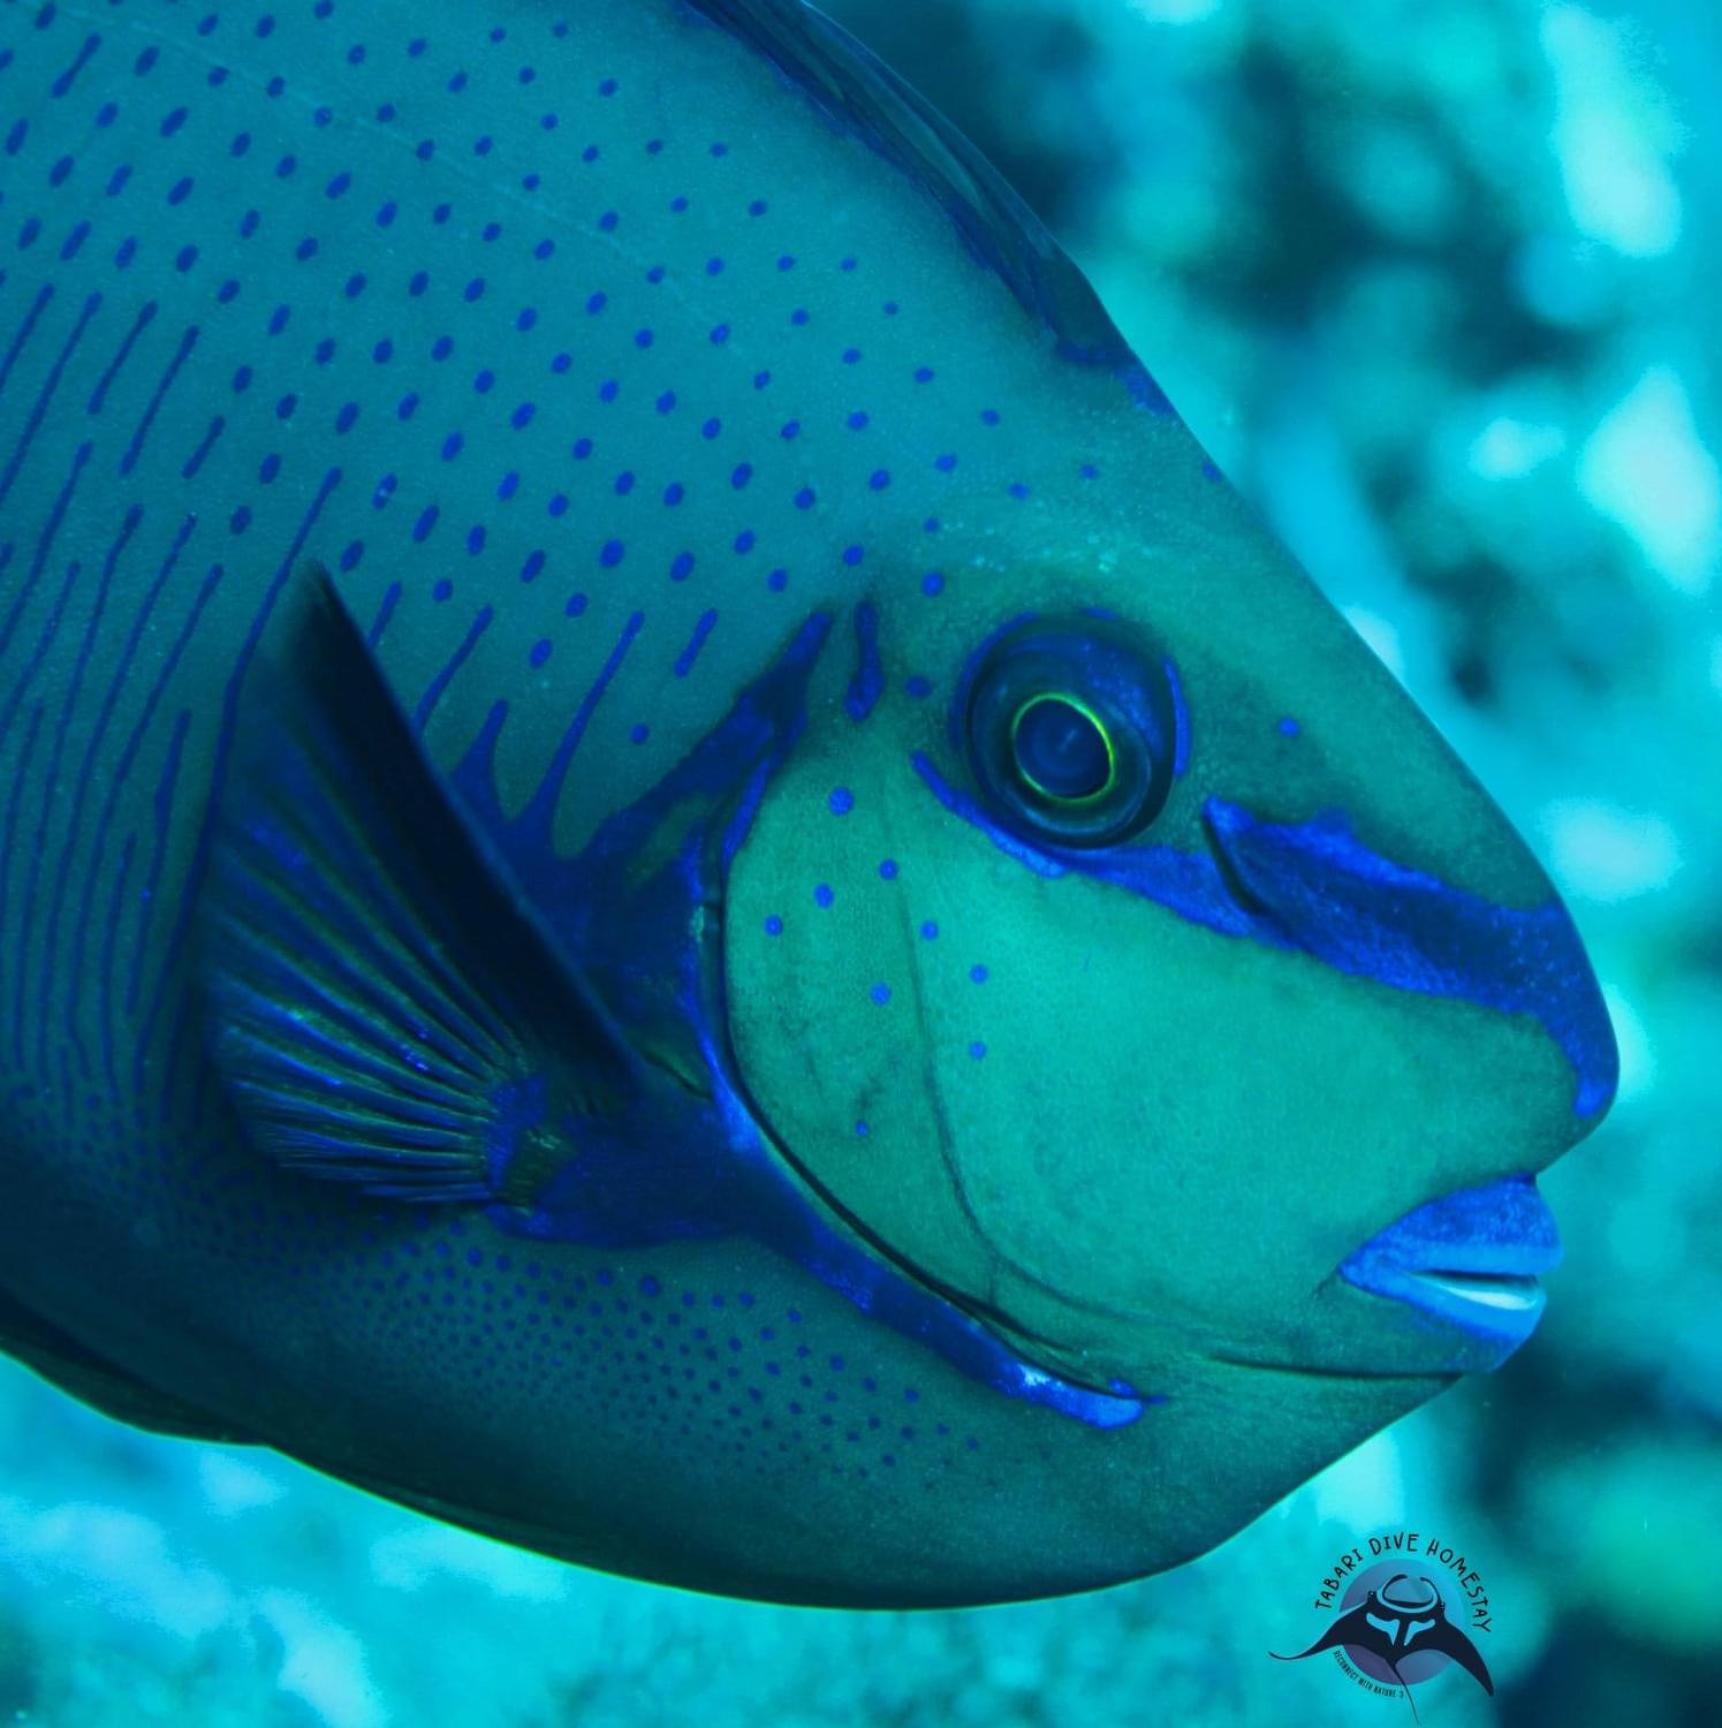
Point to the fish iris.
(1062, 750)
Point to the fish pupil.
(1062, 751)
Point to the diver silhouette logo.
(1394, 1628)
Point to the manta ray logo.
(1393, 1630)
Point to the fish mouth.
(1469, 1260)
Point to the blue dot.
(540, 652)
(862, 1130)
(881, 993)
(933, 583)
(639, 732)
(822, 895)
(842, 801)
(1288, 727)
(977, 1050)
(888, 870)
(929, 931)
(774, 925)
(978, 974)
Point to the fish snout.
(1470, 1260)
(1315, 886)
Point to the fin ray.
(378, 994)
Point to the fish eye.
(1071, 731)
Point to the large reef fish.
(675, 879)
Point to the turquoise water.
(1434, 285)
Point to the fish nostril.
(1214, 825)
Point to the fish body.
(675, 878)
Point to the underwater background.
(1435, 284)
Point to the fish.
(677, 880)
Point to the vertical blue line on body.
(81, 786)
(68, 708)
(25, 331)
(691, 653)
(163, 806)
(537, 819)
(198, 866)
(145, 317)
(198, 456)
(433, 691)
(50, 784)
(44, 544)
(117, 780)
(63, 84)
(391, 599)
(51, 384)
(153, 407)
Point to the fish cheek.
(846, 1004)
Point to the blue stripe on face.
(1314, 885)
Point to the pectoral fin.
(384, 1007)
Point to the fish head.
(1128, 957)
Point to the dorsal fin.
(862, 95)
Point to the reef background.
(1436, 285)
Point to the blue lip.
(1470, 1259)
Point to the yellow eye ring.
(1038, 785)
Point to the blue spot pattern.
(292, 284)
